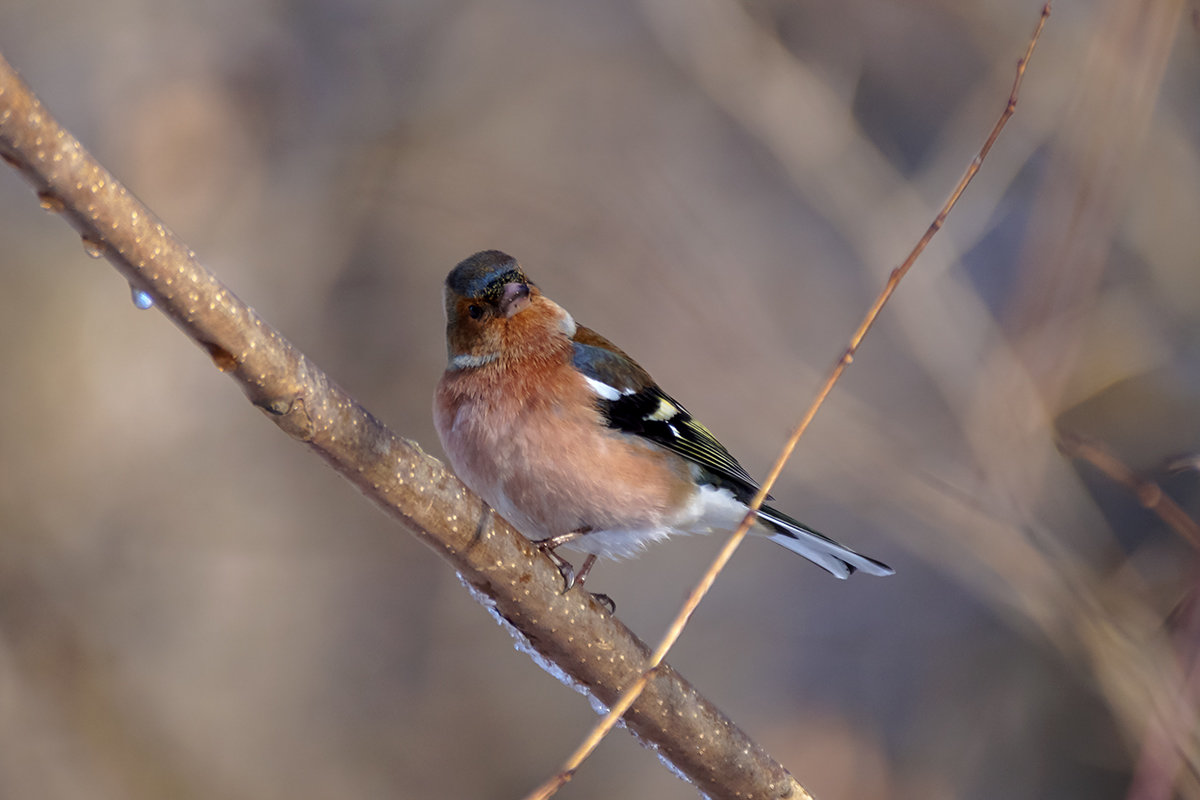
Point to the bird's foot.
(571, 578)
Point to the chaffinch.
(572, 442)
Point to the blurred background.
(192, 606)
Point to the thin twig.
(1148, 493)
(630, 695)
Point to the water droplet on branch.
(141, 299)
(51, 202)
(93, 247)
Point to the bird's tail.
(838, 560)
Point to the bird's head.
(493, 309)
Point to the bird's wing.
(633, 403)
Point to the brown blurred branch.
(570, 630)
(1159, 773)
(1148, 493)
(1161, 757)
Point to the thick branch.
(570, 630)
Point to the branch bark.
(571, 631)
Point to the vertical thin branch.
(630, 695)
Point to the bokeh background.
(192, 606)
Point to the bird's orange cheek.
(472, 339)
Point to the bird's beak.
(514, 298)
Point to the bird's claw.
(565, 569)
(570, 577)
(605, 601)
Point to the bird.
(573, 443)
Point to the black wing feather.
(643, 409)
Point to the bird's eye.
(474, 311)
